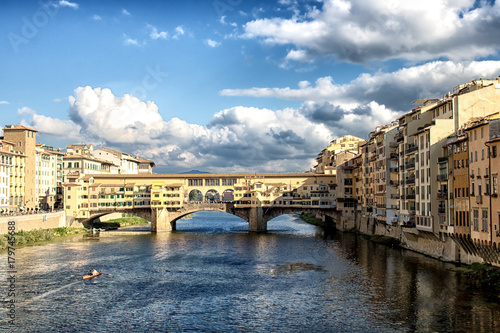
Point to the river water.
(212, 275)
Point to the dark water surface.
(211, 275)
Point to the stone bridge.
(164, 219)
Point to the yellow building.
(24, 140)
(340, 150)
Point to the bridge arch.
(212, 196)
(228, 195)
(195, 196)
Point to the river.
(212, 275)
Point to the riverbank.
(482, 276)
(126, 221)
(312, 219)
(33, 237)
(479, 276)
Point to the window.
(484, 220)
(475, 156)
(482, 132)
(494, 183)
(494, 151)
(476, 220)
(482, 153)
(472, 189)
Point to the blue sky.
(233, 85)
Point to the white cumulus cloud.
(360, 31)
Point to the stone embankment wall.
(37, 221)
(441, 247)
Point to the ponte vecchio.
(164, 198)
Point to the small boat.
(90, 276)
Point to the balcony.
(410, 165)
(441, 195)
(442, 159)
(410, 181)
(393, 169)
(411, 149)
(442, 177)
(410, 196)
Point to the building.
(145, 166)
(48, 177)
(24, 140)
(127, 163)
(340, 150)
(7, 158)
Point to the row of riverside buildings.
(433, 172)
(32, 175)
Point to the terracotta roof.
(18, 127)
(143, 160)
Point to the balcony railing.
(442, 177)
(442, 195)
(411, 149)
(442, 159)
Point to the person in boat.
(94, 271)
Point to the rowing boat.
(90, 276)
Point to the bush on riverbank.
(483, 276)
(384, 240)
(120, 222)
(23, 237)
(312, 219)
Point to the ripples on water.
(211, 275)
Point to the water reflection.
(212, 275)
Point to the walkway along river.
(211, 275)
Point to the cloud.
(359, 31)
(125, 12)
(179, 31)
(249, 139)
(25, 111)
(237, 139)
(96, 17)
(211, 43)
(64, 3)
(4, 102)
(130, 41)
(65, 129)
(396, 90)
(155, 34)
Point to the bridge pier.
(161, 220)
(256, 221)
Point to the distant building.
(145, 166)
(340, 150)
(127, 163)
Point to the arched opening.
(212, 196)
(195, 196)
(116, 220)
(228, 196)
(211, 222)
(290, 223)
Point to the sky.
(227, 86)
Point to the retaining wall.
(37, 221)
